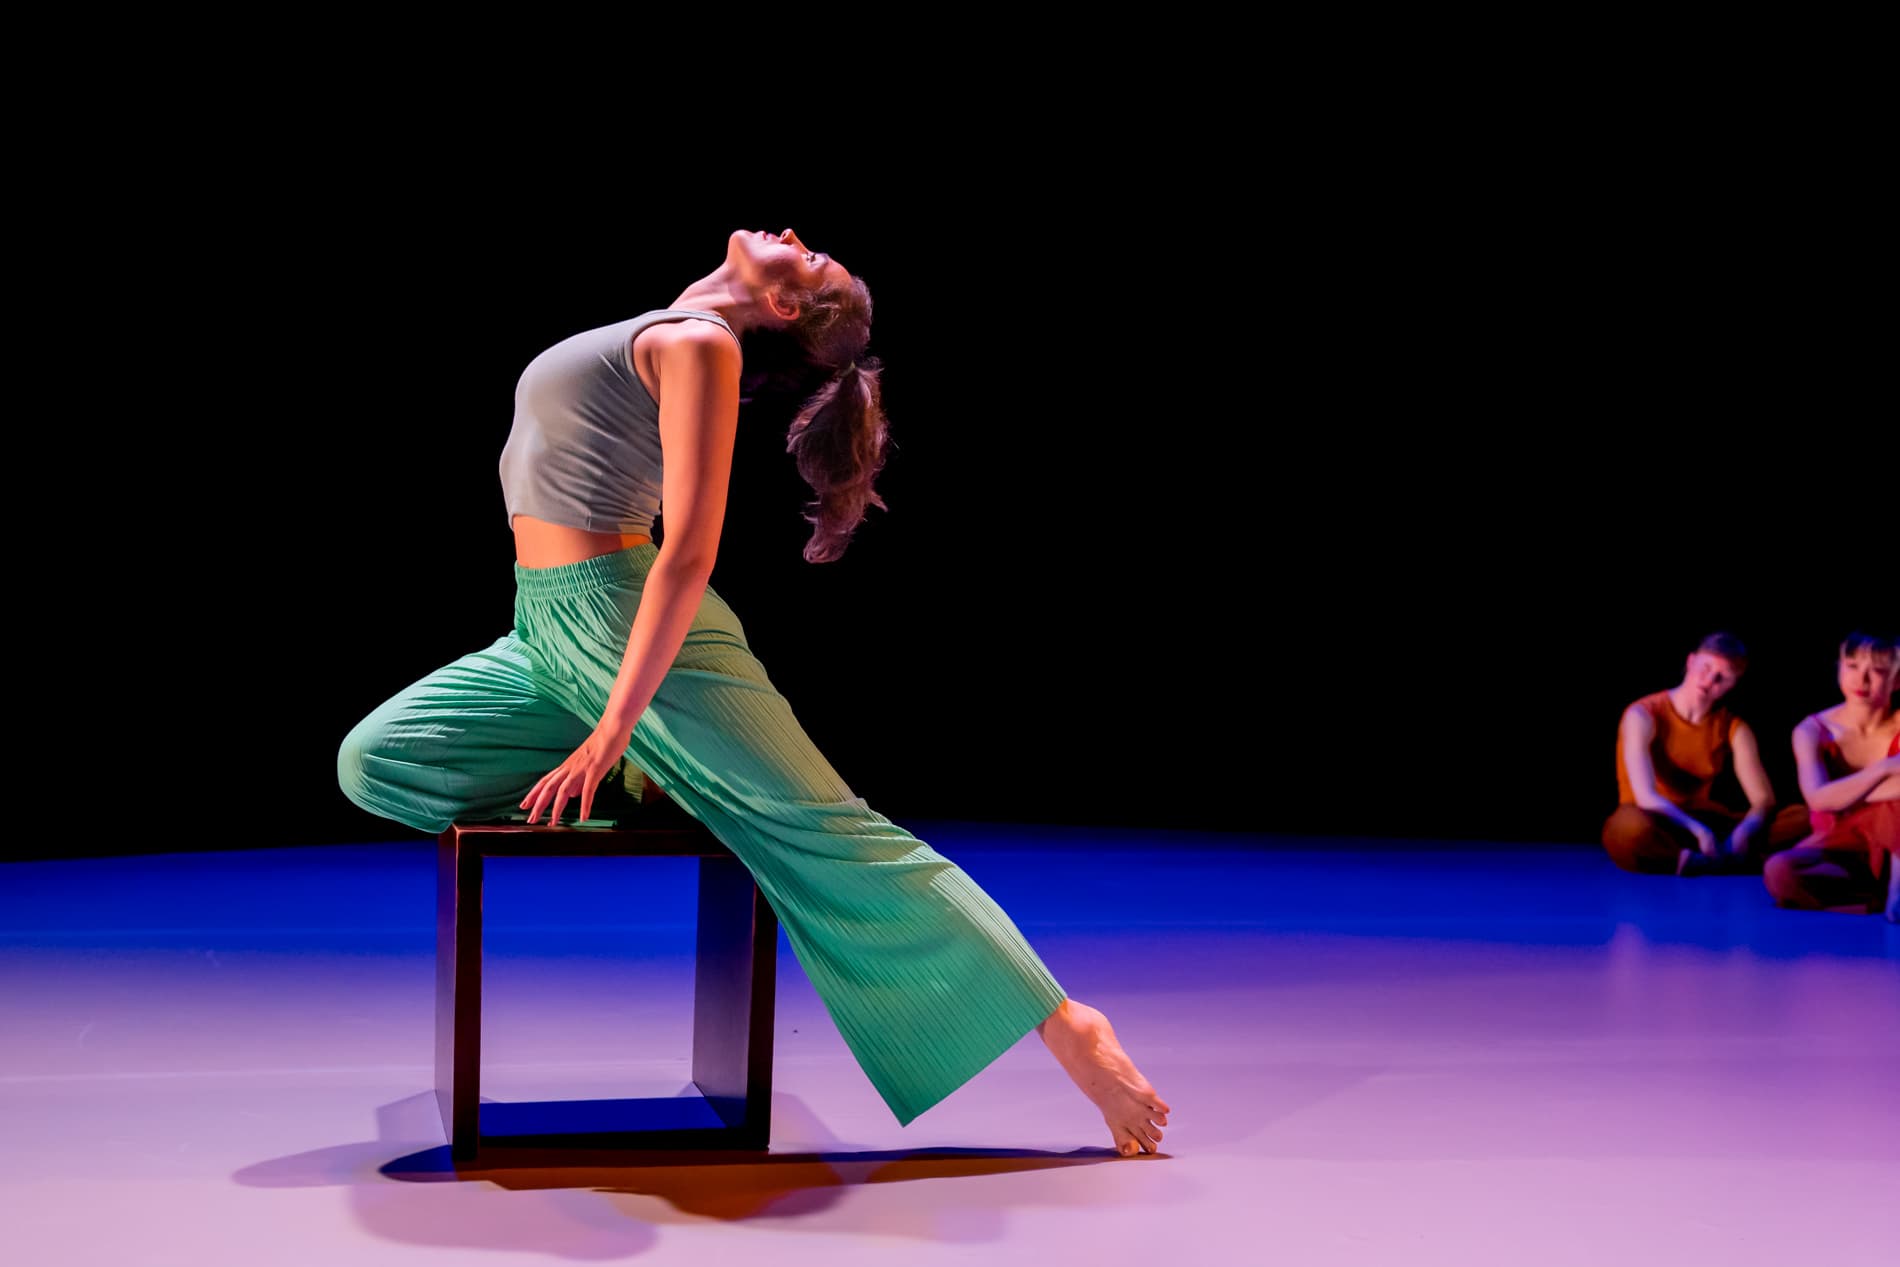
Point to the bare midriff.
(540, 544)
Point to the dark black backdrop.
(1350, 502)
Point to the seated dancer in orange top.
(1848, 758)
(1671, 749)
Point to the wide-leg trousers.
(926, 977)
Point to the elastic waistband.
(589, 574)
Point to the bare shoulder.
(1818, 726)
(690, 344)
(1635, 738)
(696, 336)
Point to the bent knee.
(1781, 873)
(1790, 825)
(1627, 825)
(353, 759)
(1636, 841)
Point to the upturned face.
(768, 261)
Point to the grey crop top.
(584, 450)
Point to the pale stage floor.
(1401, 1053)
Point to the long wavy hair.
(840, 436)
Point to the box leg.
(458, 993)
(735, 975)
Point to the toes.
(1132, 1141)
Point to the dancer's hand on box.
(579, 775)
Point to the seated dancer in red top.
(1672, 748)
(1848, 758)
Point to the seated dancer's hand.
(1742, 839)
(1704, 838)
(579, 776)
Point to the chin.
(746, 242)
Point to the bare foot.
(1084, 1044)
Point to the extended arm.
(699, 420)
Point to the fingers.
(561, 788)
(551, 785)
(536, 798)
(561, 796)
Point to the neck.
(724, 292)
(1684, 698)
(1864, 716)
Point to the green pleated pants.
(926, 977)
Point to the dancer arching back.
(624, 661)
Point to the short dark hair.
(1880, 646)
(1728, 646)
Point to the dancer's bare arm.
(1638, 730)
(1838, 794)
(699, 419)
(1746, 755)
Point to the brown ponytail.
(840, 437)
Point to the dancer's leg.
(1649, 843)
(926, 977)
(1084, 1043)
(1788, 826)
(1642, 842)
(466, 742)
(1811, 878)
(1843, 869)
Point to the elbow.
(685, 560)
